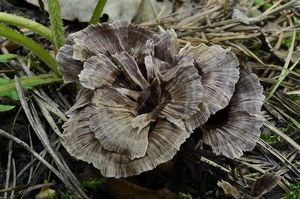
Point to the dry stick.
(69, 178)
(271, 11)
(14, 179)
(288, 104)
(22, 187)
(8, 167)
(281, 134)
(286, 65)
(49, 104)
(214, 164)
(251, 54)
(297, 124)
(274, 152)
(35, 154)
(35, 122)
(42, 154)
(281, 184)
(10, 145)
(48, 117)
(32, 159)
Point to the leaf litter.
(263, 34)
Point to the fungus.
(136, 92)
(236, 128)
(141, 96)
(218, 68)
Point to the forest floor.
(265, 36)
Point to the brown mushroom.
(236, 128)
(218, 68)
(129, 115)
(141, 98)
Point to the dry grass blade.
(27, 186)
(278, 155)
(48, 116)
(266, 41)
(49, 104)
(285, 72)
(296, 92)
(14, 178)
(35, 122)
(214, 164)
(281, 134)
(274, 9)
(29, 149)
(8, 168)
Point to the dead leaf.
(45, 192)
(229, 190)
(122, 189)
(265, 184)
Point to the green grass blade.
(7, 57)
(26, 23)
(8, 88)
(97, 12)
(286, 70)
(31, 45)
(4, 108)
(56, 24)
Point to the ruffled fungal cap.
(218, 68)
(129, 115)
(141, 96)
(236, 129)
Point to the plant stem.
(285, 72)
(26, 23)
(56, 24)
(31, 45)
(28, 82)
(97, 12)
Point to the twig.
(35, 154)
(35, 122)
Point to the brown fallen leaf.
(265, 184)
(229, 190)
(122, 189)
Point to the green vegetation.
(55, 35)
(185, 195)
(289, 128)
(7, 87)
(7, 57)
(294, 193)
(68, 195)
(32, 46)
(56, 24)
(263, 4)
(97, 12)
(270, 138)
(92, 183)
(286, 43)
(26, 23)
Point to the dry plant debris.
(264, 34)
(142, 97)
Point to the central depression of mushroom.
(141, 96)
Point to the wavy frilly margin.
(100, 131)
(124, 70)
(236, 129)
(219, 70)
